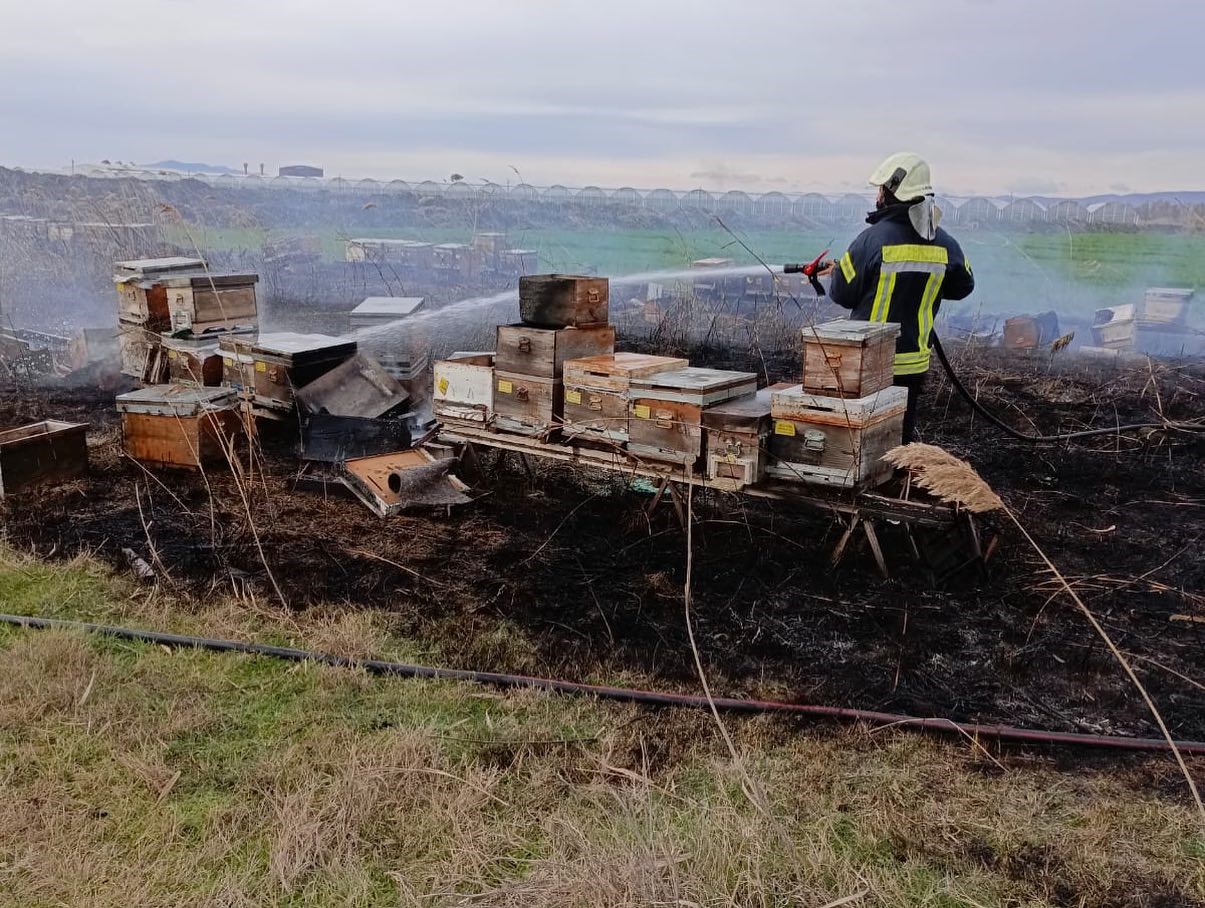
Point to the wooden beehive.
(1165, 306)
(847, 358)
(542, 352)
(464, 389)
(284, 361)
(527, 404)
(179, 425)
(1115, 328)
(1028, 332)
(42, 452)
(597, 391)
(210, 302)
(666, 410)
(192, 361)
(835, 441)
(737, 435)
(563, 300)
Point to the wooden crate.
(211, 302)
(42, 452)
(847, 358)
(1115, 328)
(666, 410)
(527, 404)
(142, 354)
(835, 441)
(179, 425)
(192, 361)
(597, 391)
(464, 389)
(1028, 332)
(1165, 306)
(542, 352)
(563, 300)
(285, 360)
(737, 435)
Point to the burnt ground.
(561, 573)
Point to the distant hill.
(190, 167)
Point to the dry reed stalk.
(955, 480)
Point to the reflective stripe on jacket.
(891, 274)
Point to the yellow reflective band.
(847, 267)
(924, 315)
(882, 297)
(911, 252)
(916, 356)
(966, 263)
(911, 370)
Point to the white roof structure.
(389, 306)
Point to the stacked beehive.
(834, 427)
(173, 312)
(564, 318)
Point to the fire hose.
(975, 730)
(1038, 439)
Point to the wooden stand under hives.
(943, 538)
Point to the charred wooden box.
(847, 358)
(285, 361)
(737, 437)
(192, 361)
(563, 300)
(42, 452)
(835, 441)
(527, 404)
(666, 410)
(542, 352)
(464, 389)
(597, 391)
(142, 355)
(180, 425)
(141, 293)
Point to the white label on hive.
(783, 427)
(505, 387)
(573, 397)
(642, 411)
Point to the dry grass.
(950, 479)
(138, 776)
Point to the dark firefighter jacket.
(891, 274)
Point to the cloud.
(628, 92)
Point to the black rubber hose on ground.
(1003, 733)
(1038, 439)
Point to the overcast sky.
(1013, 96)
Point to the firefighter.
(901, 267)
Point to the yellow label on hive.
(783, 427)
(505, 387)
(642, 411)
(227, 361)
(261, 366)
(443, 385)
(573, 397)
(171, 354)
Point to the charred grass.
(135, 775)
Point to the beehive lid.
(357, 387)
(1176, 293)
(850, 333)
(393, 306)
(303, 347)
(175, 400)
(693, 378)
(135, 268)
(631, 365)
(738, 410)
